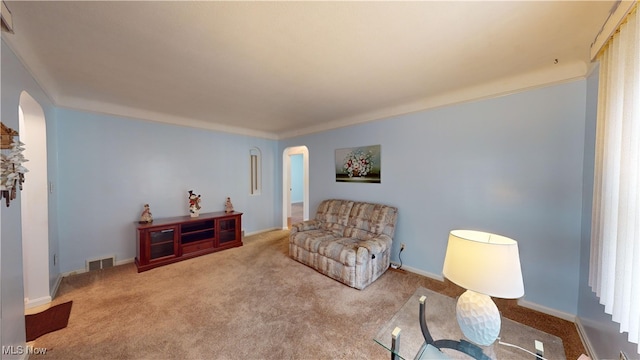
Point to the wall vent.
(97, 264)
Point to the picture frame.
(358, 164)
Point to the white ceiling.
(279, 69)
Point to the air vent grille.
(97, 264)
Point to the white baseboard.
(546, 310)
(125, 261)
(84, 270)
(128, 261)
(56, 286)
(523, 303)
(585, 339)
(263, 231)
(423, 273)
(31, 303)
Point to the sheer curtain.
(615, 232)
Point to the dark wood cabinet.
(166, 241)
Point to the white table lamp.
(486, 265)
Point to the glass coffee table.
(403, 333)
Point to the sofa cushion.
(368, 220)
(343, 250)
(311, 240)
(333, 215)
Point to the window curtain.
(615, 233)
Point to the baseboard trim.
(125, 261)
(29, 304)
(546, 310)
(585, 339)
(423, 273)
(263, 231)
(131, 260)
(56, 286)
(84, 270)
(523, 303)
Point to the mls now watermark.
(23, 350)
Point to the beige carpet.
(251, 302)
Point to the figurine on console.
(228, 206)
(194, 204)
(146, 217)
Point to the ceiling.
(281, 69)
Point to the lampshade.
(485, 263)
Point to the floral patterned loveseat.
(348, 241)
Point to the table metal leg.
(395, 343)
(464, 346)
(539, 350)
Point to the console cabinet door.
(162, 243)
(229, 231)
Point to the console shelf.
(169, 240)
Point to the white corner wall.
(14, 80)
(34, 203)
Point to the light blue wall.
(510, 165)
(15, 80)
(296, 179)
(110, 167)
(603, 334)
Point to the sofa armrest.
(376, 245)
(305, 226)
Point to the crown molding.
(552, 75)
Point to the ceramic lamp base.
(478, 317)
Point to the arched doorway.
(34, 201)
(287, 186)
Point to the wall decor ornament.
(7, 135)
(194, 204)
(228, 206)
(11, 169)
(146, 217)
(359, 164)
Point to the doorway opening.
(295, 185)
(296, 189)
(34, 203)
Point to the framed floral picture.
(359, 164)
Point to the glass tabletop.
(440, 313)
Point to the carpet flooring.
(250, 302)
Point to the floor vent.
(97, 264)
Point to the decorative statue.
(194, 204)
(228, 206)
(11, 169)
(146, 216)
